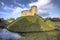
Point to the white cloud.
(11, 5)
(17, 10)
(7, 8)
(18, 3)
(2, 4)
(14, 12)
(40, 3)
(44, 6)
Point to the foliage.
(10, 20)
(54, 19)
(2, 23)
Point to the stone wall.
(30, 12)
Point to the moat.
(52, 35)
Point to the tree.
(10, 20)
(2, 23)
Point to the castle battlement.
(30, 12)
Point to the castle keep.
(30, 12)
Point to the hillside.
(31, 23)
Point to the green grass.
(30, 23)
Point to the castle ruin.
(30, 12)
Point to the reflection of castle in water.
(30, 12)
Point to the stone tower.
(34, 10)
(30, 12)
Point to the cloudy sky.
(13, 8)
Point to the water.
(52, 35)
(7, 35)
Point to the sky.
(13, 8)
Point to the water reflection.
(7, 35)
(52, 35)
(58, 36)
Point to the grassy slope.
(30, 23)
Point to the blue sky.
(13, 8)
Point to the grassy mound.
(31, 23)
